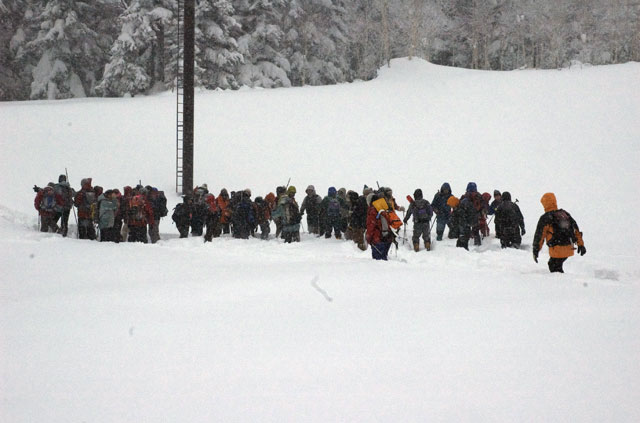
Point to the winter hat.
(247, 191)
(310, 189)
(506, 196)
(486, 197)
(472, 187)
(259, 200)
(291, 190)
(417, 194)
(332, 191)
(204, 186)
(51, 184)
(280, 190)
(453, 201)
(366, 190)
(62, 178)
(496, 192)
(445, 187)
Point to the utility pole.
(189, 53)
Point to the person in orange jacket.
(225, 213)
(557, 228)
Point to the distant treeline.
(62, 48)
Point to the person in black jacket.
(442, 211)
(510, 221)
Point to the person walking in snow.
(479, 210)
(332, 207)
(493, 207)
(462, 220)
(379, 233)
(291, 217)
(263, 217)
(47, 201)
(182, 215)
(421, 211)
(107, 217)
(510, 221)
(67, 193)
(86, 203)
(442, 211)
(560, 231)
(311, 205)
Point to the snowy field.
(255, 331)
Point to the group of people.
(109, 216)
(369, 218)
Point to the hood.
(86, 183)
(224, 193)
(417, 194)
(445, 187)
(486, 197)
(310, 190)
(128, 191)
(472, 187)
(506, 196)
(332, 191)
(548, 202)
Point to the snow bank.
(262, 331)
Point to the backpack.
(48, 202)
(136, 208)
(422, 213)
(563, 232)
(161, 204)
(65, 192)
(180, 213)
(333, 208)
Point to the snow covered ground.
(317, 331)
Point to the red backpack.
(137, 208)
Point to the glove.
(535, 257)
(581, 250)
(523, 231)
(405, 221)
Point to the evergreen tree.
(217, 55)
(67, 48)
(261, 44)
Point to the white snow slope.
(253, 331)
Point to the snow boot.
(427, 245)
(416, 246)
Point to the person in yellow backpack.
(560, 231)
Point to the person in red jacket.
(47, 201)
(379, 234)
(139, 215)
(86, 202)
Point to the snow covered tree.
(14, 82)
(317, 42)
(261, 44)
(137, 55)
(217, 54)
(68, 50)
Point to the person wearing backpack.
(560, 231)
(379, 233)
(182, 215)
(67, 193)
(263, 217)
(243, 217)
(291, 217)
(510, 221)
(212, 219)
(442, 211)
(139, 215)
(479, 209)
(333, 206)
(278, 212)
(421, 210)
(107, 217)
(462, 219)
(159, 207)
(199, 212)
(47, 201)
(224, 226)
(311, 205)
(86, 201)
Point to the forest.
(60, 49)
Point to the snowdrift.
(262, 331)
